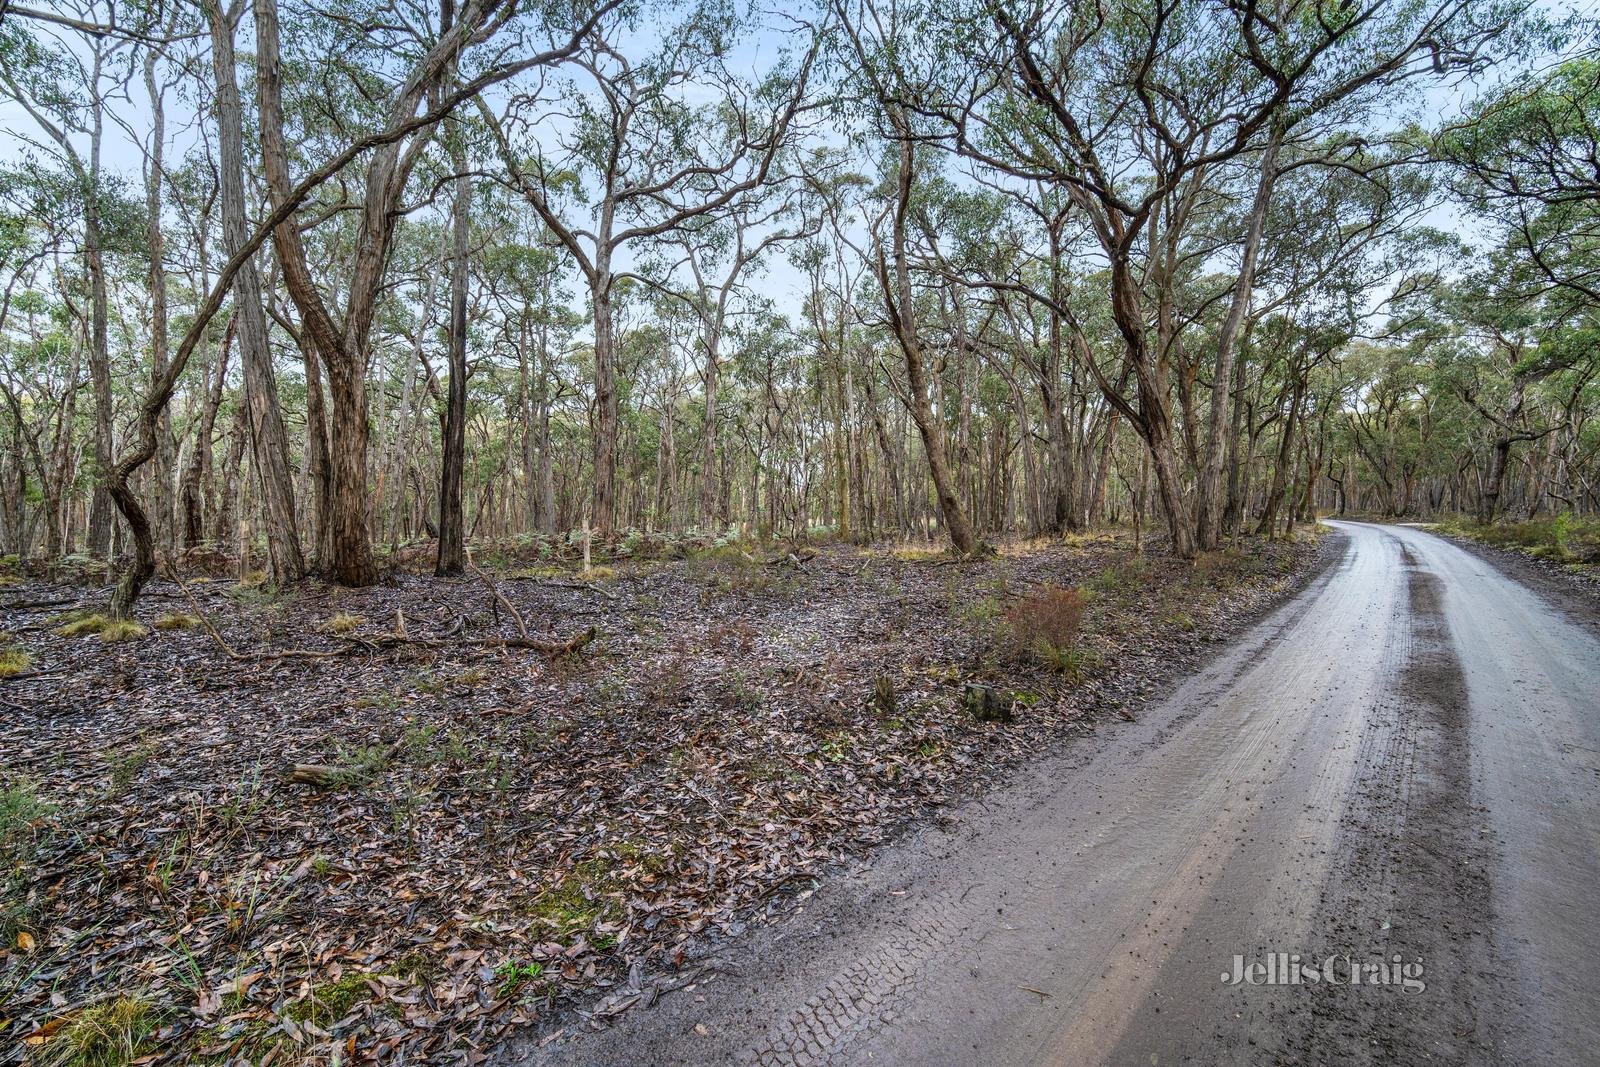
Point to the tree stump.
(882, 702)
(986, 704)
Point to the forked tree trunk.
(1154, 424)
(1208, 493)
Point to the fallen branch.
(29, 605)
(549, 646)
(794, 558)
(23, 676)
(494, 591)
(325, 776)
(227, 649)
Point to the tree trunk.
(162, 473)
(189, 486)
(1281, 469)
(270, 439)
(452, 535)
(899, 301)
(100, 505)
(317, 460)
(603, 507)
(1155, 420)
(1208, 492)
(708, 437)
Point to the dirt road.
(1399, 769)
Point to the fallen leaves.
(584, 818)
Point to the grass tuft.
(344, 623)
(88, 624)
(177, 621)
(13, 661)
(116, 630)
(114, 1033)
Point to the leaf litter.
(507, 839)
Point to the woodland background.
(303, 284)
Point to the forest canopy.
(306, 283)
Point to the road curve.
(1398, 769)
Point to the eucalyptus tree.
(1486, 345)
(1527, 157)
(627, 157)
(526, 278)
(1133, 112)
(63, 91)
(269, 439)
(421, 58)
(893, 64)
(706, 263)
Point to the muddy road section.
(1396, 777)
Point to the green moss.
(586, 896)
(331, 1001)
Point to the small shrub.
(177, 621)
(1563, 539)
(1076, 665)
(514, 975)
(1046, 623)
(355, 765)
(125, 767)
(252, 592)
(20, 807)
(21, 810)
(979, 614)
